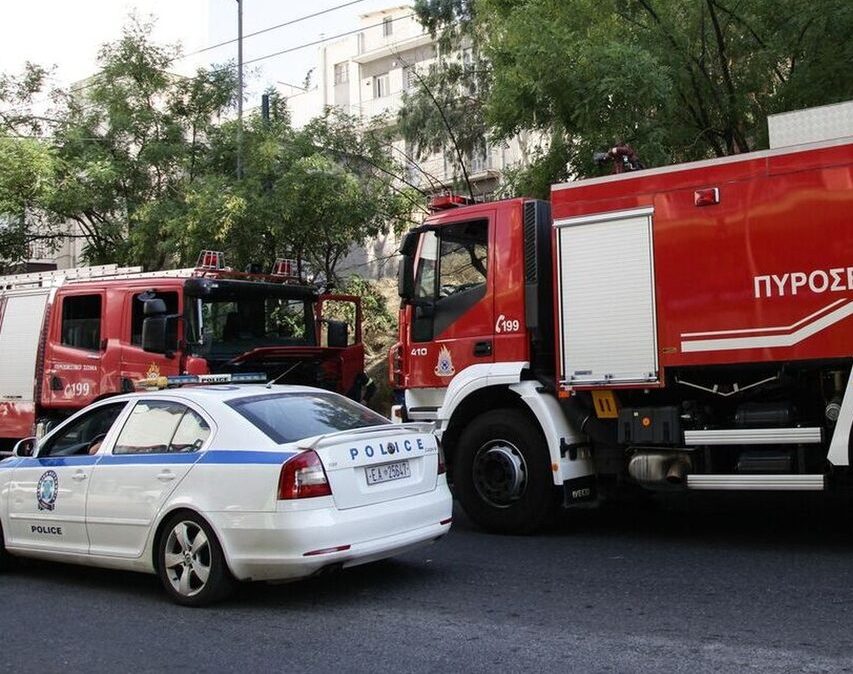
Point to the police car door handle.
(166, 475)
(79, 476)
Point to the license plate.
(386, 472)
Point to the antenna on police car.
(283, 374)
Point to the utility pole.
(239, 89)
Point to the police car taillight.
(303, 477)
(442, 465)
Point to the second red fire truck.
(685, 327)
(71, 337)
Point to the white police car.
(209, 485)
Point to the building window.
(381, 86)
(478, 160)
(387, 26)
(410, 78)
(341, 73)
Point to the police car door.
(47, 496)
(153, 451)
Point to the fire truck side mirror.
(406, 278)
(338, 334)
(154, 307)
(159, 330)
(25, 447)
(406, 274)
(154, 326)
(154, 334)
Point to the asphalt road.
(695, 585)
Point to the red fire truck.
(71, 337)
(685, 327)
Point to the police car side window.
(81, 435)
(150, 427)
(191, 433)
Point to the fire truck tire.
(190, 562)
(502, 473)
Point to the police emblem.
(444, 367)
(47, 490)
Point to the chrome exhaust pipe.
(678, 470)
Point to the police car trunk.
(374, 464)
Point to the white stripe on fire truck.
(770, 341)
(779, 328)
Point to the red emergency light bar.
(211, 259)
(445, 202)
(285, 267)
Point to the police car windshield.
(287, 417)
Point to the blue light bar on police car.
(182, 379)
(225, 378)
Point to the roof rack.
(104, 272)
(59, 276)
(211, 263)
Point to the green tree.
(133, 137)
(677, 80)
(125, 144)
(444, 112)
(141, 162)
(26, 180)
(310, 194)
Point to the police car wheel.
(190, 562)
(502, 473)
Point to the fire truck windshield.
(227, 324)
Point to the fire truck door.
(340, 321)
(452, 324)
(73, 354)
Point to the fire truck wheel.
(502, 473)
(190, 562)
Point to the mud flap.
(579, 490)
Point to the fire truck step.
(758, 482)
(754, 436)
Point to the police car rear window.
(287, 417)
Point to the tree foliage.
(444, 112)
(677, 79)
(143, 161)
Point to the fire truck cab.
(69, 338)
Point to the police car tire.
(220, 582)
(538, 498)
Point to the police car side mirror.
(25, 447)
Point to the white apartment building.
(365, 75)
